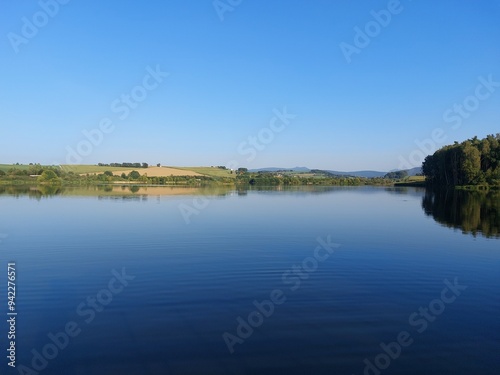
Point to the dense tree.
(472, 162)
(124, 165)
(397, 174)
(134, 175)
(35, 169)
(17, 172)
(278, 178)
(49, 176)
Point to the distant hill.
(411, 172)
(414, 171)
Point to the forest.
(474, 162)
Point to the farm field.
(84, 168)
(210, 171)
(415, 178)
(151, 171)
(160, 171)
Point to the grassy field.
(418, 181)
(209, 171)
(415, 179)
(6, 167)
(161, 172)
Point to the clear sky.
(231, 68)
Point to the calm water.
(194, 262)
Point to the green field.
(209, 171)
(6, 167)
(415, 179)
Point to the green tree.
(472, 162)
(397, 174)
(134, 175)
(49, 177)
(35, 169)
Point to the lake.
(163, 280)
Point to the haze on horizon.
(338, 85)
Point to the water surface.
(200, 258)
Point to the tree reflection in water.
(471, 211)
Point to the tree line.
(125, 165)
(472, 162)
(277, 179)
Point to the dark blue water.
(381, 279)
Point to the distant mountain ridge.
(366, 174)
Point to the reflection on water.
(116, 191)
(471, 211)
(38, 192)
(138, 191)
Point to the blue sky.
(228, 77)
